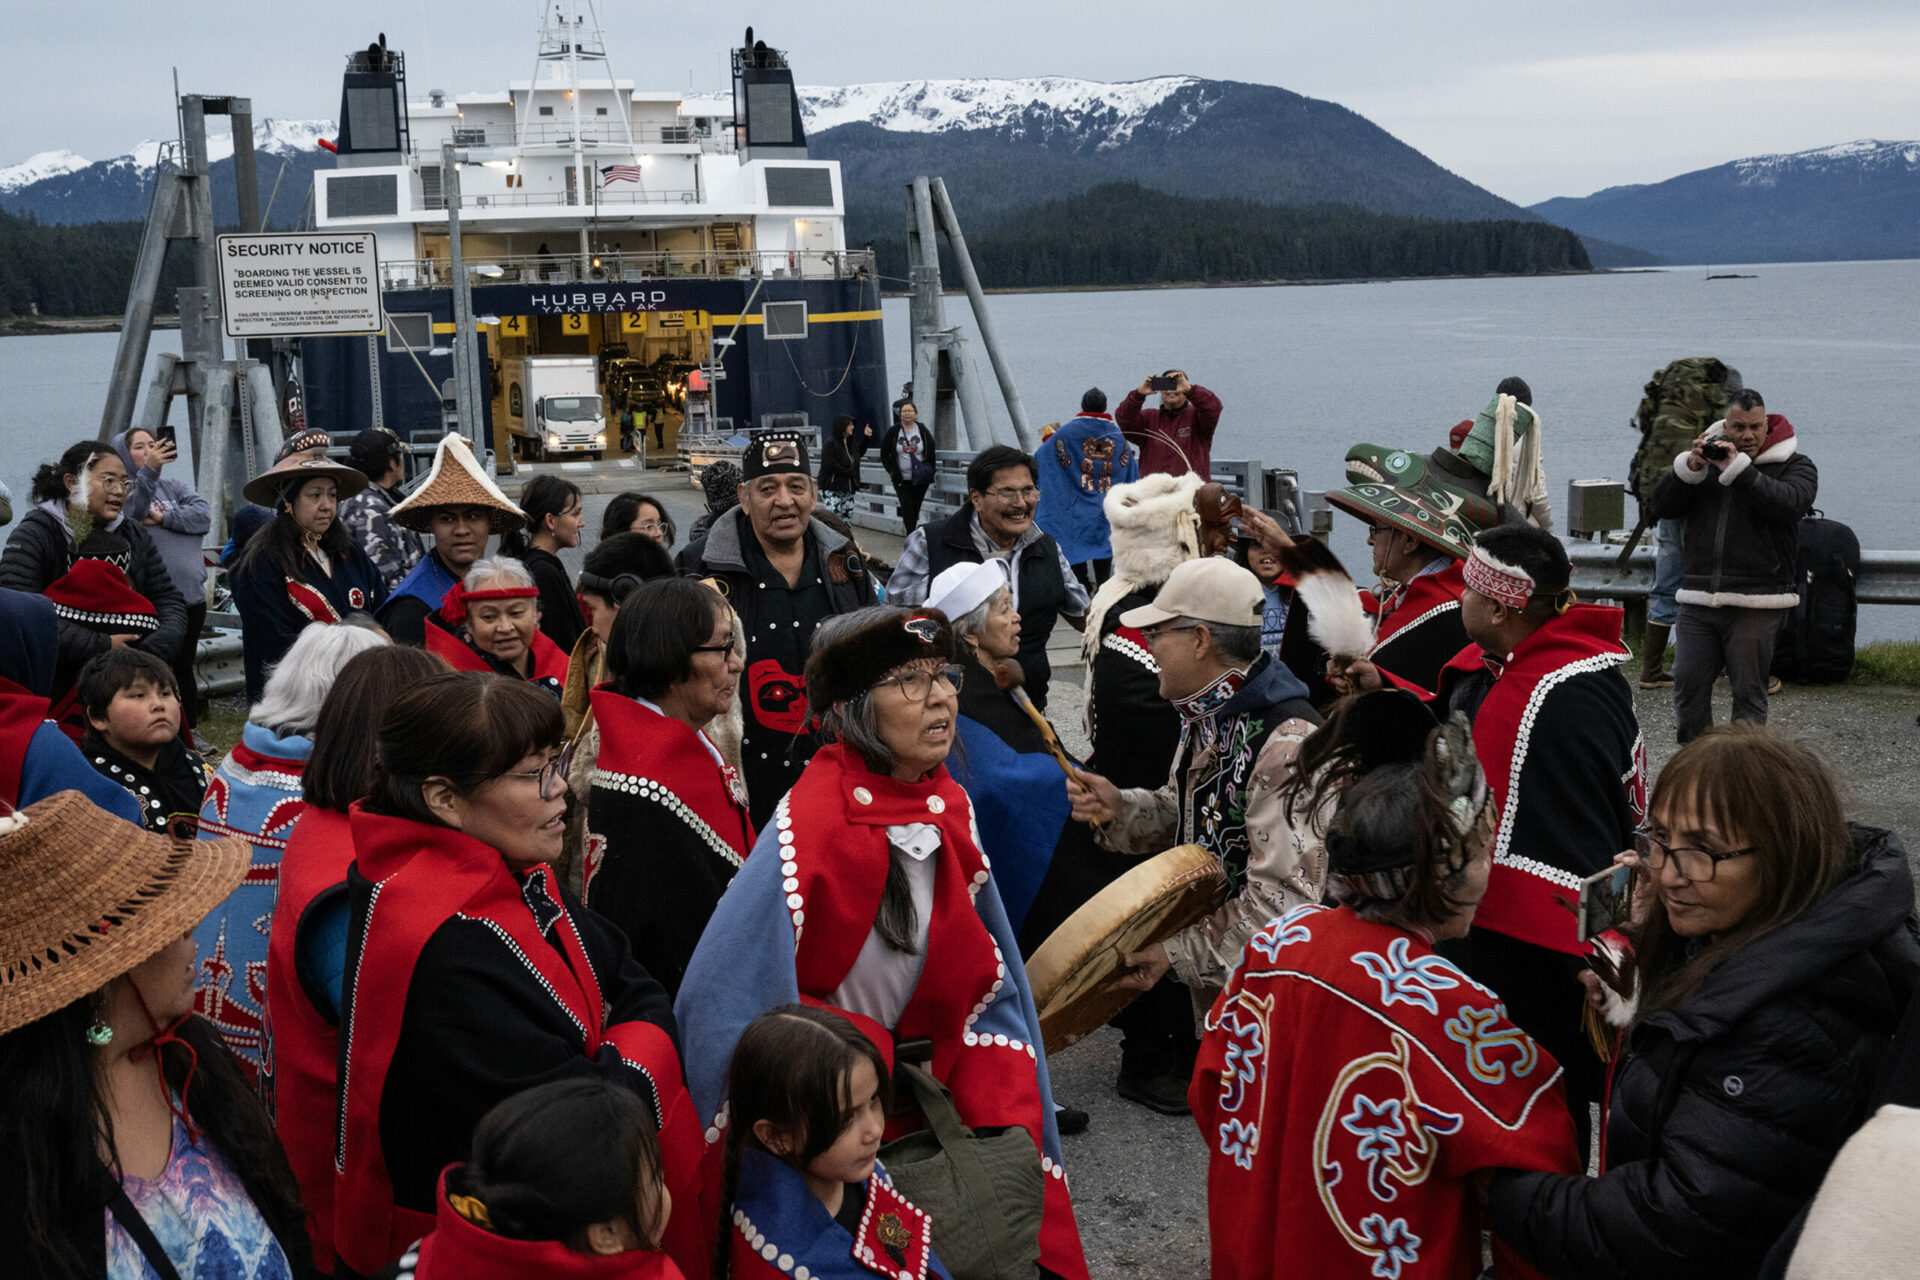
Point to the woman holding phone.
(1773, 963)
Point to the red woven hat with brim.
(90, 897)
(97, 594)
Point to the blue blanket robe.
(1074, 480)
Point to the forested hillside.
(1123, 233)
(74, 270)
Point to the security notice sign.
(293, 284)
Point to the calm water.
(1306, 372)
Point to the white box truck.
(564, 413)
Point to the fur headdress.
(1155, 530)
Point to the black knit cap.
(855, 660)
(774, 453)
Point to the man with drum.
(1243, 717)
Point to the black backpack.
(1816, 644)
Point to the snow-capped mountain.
(35, 168)
(1109, 113)
(1855, 200)
(62, 186)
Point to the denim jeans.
(1669, 566)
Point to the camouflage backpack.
(1684, 399)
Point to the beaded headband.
(1497, 580)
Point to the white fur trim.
(1780, 450)
(1336, 619)
(1686, 473)
(1737, 599)
(1154, 531)
(1731, 472)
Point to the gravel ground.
(1139, 1179)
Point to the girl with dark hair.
(1773, 960)
(667, 822)
(78, 515)
(1350, 1089)
(134, 1146)
(638, 513)
(869, 869)
(553, 523)
(471, 974)
(307, 944)
(564, 1180)
(809, 1100)
(304, 567)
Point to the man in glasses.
(784, 572)
(1243, 717)
(998, 523)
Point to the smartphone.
(1606, 898)
(1162, 384)
(166, 433)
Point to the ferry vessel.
(690, 246)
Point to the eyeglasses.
(1167, 628)
(647, 526)
(1696, 865)
(113, 483)
(917, 684)
(551, 776)
(1028, 494)
(725, 646)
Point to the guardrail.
(1886, 577)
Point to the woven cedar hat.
(456, 480)
(91, 897)
(1428, 512)
(98, 594)
(270, 487)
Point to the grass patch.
(1889, 662)
(221, 720)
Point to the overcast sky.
(1526, 99)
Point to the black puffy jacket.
(40, 550)
(1743, 522)
(1728, 1107)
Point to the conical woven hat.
(90, 897)
(456, 480)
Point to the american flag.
(612, 173)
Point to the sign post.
(299, 284)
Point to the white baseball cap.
(1211, 589)
(964, 587)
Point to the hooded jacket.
(42, 548)
(1728, 1106)
(1743, 521)
(185, 522)
(36, 758)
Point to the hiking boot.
(1070, 1120)
(1653, 658)
(1163, 1091)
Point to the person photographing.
(1177, 436)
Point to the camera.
(1163, 384)
(1717, 451)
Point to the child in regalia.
(563, 1181)
(1353, 1085)
(806, 1195)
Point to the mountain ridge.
(1845, 201)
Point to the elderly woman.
(256, 795)
(495, 616)
(471, 974)
(1019, 793)
(134, 1146)
(667, 823)
(1774, 963)
(304, 567)
(78, 515)
(869, 870)
(1352, 1081)
(307, 942)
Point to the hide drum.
(1072, 972)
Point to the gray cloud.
(1525, 99)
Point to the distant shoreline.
(43, 326)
